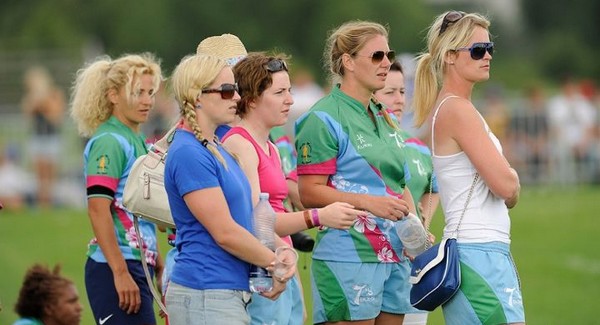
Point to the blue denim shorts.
(187, 306)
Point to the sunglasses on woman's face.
(227, 90)
(276, 65)
(377, 56)
(478, 49)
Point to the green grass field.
(552, 230)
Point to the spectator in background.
(162, 117)
(44, 106)
(571, 119)
(529, 136)
(16, 184)
(306, 92)
(47, 298)
(496, 112)
(110, 100)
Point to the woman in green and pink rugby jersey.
(348, 151)
(111, 99)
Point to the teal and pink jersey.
(338, 138)
(418, 167)
(108, 157)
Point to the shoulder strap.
(437, 109)
(162, 145)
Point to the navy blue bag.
(435, 275)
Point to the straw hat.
(227, 47)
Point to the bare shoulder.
(240, 146)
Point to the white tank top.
(486, 218)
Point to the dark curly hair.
(41, 287)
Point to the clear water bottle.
(264, 228)
(412, 234)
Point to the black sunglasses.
(227, 90)
(478, 49)
(276, 65)
(378, 56)
(451, 18)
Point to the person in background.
(44, 105)
(110, 100)
(265, 102)
(469, 165)
(571, 119)
(211, 203)
(47, 298)
(418, 167)
(348, 151)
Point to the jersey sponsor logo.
(362, 143)
(305, 151)
(398, 137)
(103, 162)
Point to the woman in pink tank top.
(265, 86)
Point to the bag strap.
(163, 144)
(155, 294)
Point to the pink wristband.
(315, 217)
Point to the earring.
(198, 106)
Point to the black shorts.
(104, 299)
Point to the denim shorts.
(490, 291)
(187, 306)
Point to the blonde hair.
(192, 74)
(431, 64)
(90, 105)
(350, 38)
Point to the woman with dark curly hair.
(47, 298)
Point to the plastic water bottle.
(412, 234)
(264, 228)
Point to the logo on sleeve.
(305, 150)
(103, 162)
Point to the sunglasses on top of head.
(478, 49)
(377, 56)
(227, 91)
(276, 65)
(451, 18)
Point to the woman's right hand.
(128, 291)
(387, 207)
(339, 215)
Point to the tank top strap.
(435, 113)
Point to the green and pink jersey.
(418, 167)
(338, 138)
(108, 157)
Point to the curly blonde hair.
(90, 105)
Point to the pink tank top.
(270, 175)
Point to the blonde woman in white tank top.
(459, 54)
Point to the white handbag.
(144, 194)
